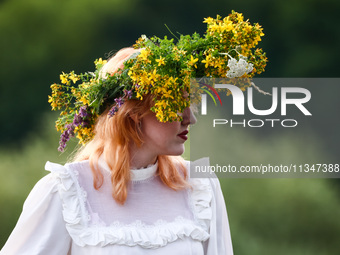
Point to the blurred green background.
(41, 38)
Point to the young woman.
(126, 192)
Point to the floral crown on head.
(161, 68)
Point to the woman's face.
(166, 138)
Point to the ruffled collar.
(139, 174)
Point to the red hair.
(113, 136)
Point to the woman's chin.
(177, 151)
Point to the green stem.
(171, 32)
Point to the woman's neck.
(141, 157)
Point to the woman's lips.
(183, 135)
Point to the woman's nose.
(188, 117)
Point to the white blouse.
(65, 215)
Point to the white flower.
(238, 68)
(144, 37)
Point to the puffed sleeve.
(220, 239)
(40, 229)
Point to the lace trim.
(148, 236)
(152, 236)
(72, 195)
(200, 197)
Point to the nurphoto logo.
(238, 106)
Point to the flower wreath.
(161, 68)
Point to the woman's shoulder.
(69, 172)
(199, 168)
(63, 168)
(200, 176)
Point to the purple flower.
(119, 102)
(78, 120)
(81, 118)
(113, 111)
(65, 136)
(137, 86)
(83, 112)
(128, 93)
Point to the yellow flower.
(63, 78)
(193, 61)
(160, 90)
(139, 96)
(167, 94)
(54, 86)
(144, 54)
(84, 100)
(182, 52)
(144, 79)
(73, 78)
(100, 61)
(227, 24)
(161, 104)
(208, 20)
(160, 61)
(239, 17)
(207, 60)
(170, 81)
(160, 116)
(133, 75)
(153, 76)
(52, 102)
